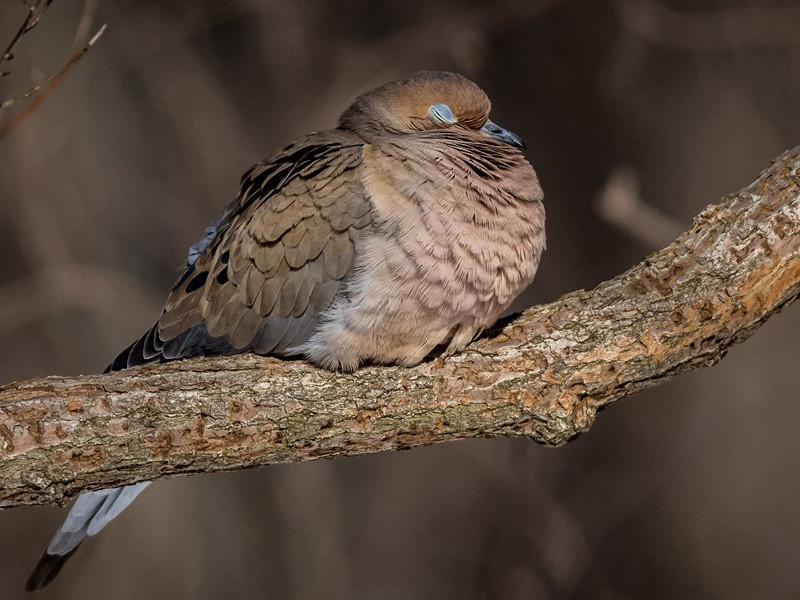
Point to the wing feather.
(279, 254)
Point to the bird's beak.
(494, 130)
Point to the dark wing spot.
(197, 282)
(315, 172)
(222, 276)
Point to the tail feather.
(46, 570)
(91, 512)
(135, 354)
(94, 510)
(150, 348)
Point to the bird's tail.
(91, 512)
(46, 570)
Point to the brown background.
(688, 490)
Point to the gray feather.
(199, 247)
(91, 512)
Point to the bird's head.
(425, 101)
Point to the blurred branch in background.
(544, 376)
(37, 94)
(63, 286)
(738, 27)
(619, 203)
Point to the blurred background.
(637, 114)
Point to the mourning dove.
(409, 227)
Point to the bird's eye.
(441, 114)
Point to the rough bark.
(544, 375)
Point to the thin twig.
(84, 26)
(44, 88)
(35, 12)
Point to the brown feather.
(338, 254)
(272, 235)
(289, 290)
(271, 289)
(267, 258)
(304, 290)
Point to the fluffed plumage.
(410, 226)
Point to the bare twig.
(543, 376)
(35, 12)
(41, 90)
(84, 26)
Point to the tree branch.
(544, 375)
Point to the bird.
(403, 232)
